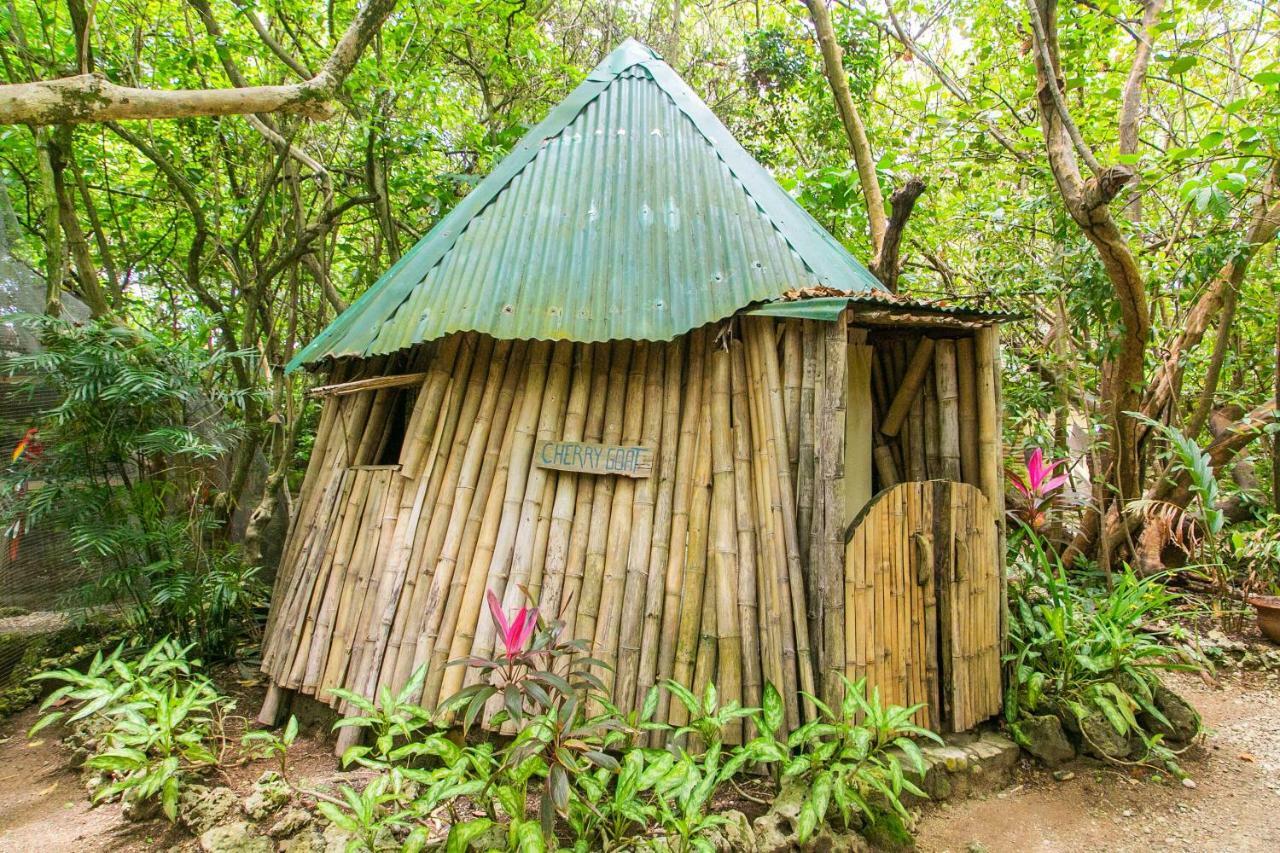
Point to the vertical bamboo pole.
(638, 583)
(687, 451)
(694, 583)
(745, 521)
(948, 392)
(792, 363)
(990, 452)
(724, 534)
(967, 404)
(659, 547)
(619, 579)
(602, 500)
(562, 510)
(930, 426)
(580, 532)
(426, 408)
(833, 441)
(811, 343)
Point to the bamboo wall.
(726, 565)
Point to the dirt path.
(1235, 805)
(43, 805)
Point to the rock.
(201, 808)
(887, 833)
(828, 839)
(269, 793)
(775, 830)
(95, 782)
(735, 835)
(137, 809)
(1101, 740)
(309, 841)
(234, 838)
(1063, 775)
(1044, 738)
(1188, 783)
(1184, 720)
(291, 822)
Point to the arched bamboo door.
(922, 593)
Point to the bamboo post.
(602, 501)
(990, 453)
(426, 408)
(724, 535)
(834, 432)
(638, 588)
(687, 452)
(622, 579)
(660, 541)
(967, 414)
(745, 522)
(792, 363)
(948, 394)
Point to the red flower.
(515, 634)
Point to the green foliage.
(129, 468)
(850, 758)
(1081, 653)
(153, 718)
(1255, 553)
(261, 743)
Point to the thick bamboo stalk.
(660, 541)
(693, 584)
(562, 509)
(690, 418)
(812, 559)
(771, 579)
(792, 365)
(859, 426)
(602, 500)
(811, 337)
(745, 524)
(620, 578)
(399, 380)
(724, 534)
(580, 532)
(948, 392)
(833, 440)
(638, 586)
(917, 450)
(990, 452)
(909, 387)
(929, 426)
(967, 414)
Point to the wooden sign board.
(585, 458)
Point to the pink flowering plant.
(1036, 487)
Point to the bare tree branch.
(92, 97)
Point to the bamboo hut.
(629, 379)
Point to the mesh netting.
(38, 567)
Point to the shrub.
(129, 465)
(151, 719)
(1083, 654)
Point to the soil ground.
(1233, 806)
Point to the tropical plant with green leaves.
(1084, 654)
(374, 815)
(130, 468)
(262, 743)
(849, 759)
(154, 719)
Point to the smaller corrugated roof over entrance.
(630, 212)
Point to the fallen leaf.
(1246, 756)
(47, 791)
(35, 744)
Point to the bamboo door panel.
(922, 602)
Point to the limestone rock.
(234, 838)
(137, 809)
(1044, 738)
(308, 841)
(1101, 740)
(291, 822)
(735, 835)
(269, 793)
(201, 808)
(1184, 718)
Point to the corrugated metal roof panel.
(630, 212)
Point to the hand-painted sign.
(585, 458)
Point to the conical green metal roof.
(630, 212)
